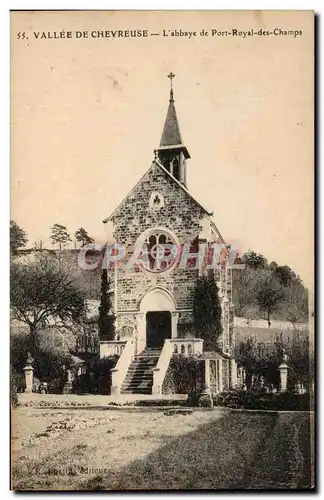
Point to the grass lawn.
(82, 449)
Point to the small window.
(176, 168)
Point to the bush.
(193, 397)
(97, 380)
(184, 374)
(229, 399)
(47, 365)
(205, 401)
(263, 401)
(159, 402)
(15, 386)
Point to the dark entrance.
(158, 328)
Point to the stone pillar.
(68, 383)
(141, 333)
(233, 381)
(283, 369)
(225, 314)
(220, 374)
(174, 324)
(115, 386)
(29, 377)
(207, 375)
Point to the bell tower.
(172, 153)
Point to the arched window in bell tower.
(176, 168)
(166, 164)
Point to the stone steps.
(139, 377)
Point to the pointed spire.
(171, 132)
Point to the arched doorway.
(158, 328)
(157, 309)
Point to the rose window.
(161, 251)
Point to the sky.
(86, 115)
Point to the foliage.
(205, 401)
(269, 292)
(42, 294)
(295, 305)
(106, 321)
(18, 237)
(158, 402)
(263, 401)
(207, 312)
(254, 260)
(97, 380)
(244, 293)
(268, 289)
(14, 387)
(81, 235)
(47, 365)
(184, 374)
(59, 235)
(263, 360)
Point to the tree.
(285, 275)
(254, 260)
(43, 294)
(47, 364)
(264, 359)
(244, 291)
(269, 292)
(59, 235)
(207, 311)
(106, 321)
(82, 236)
(295, 305)
(18, 237)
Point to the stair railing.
(160, 370)
(118, 374)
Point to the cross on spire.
(171, 76)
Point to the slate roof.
(171, 132)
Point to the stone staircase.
(139, 378)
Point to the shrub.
(205, 401)
(229, 399)
(47, 365)
(193, 397)
(263, 401)
(184, 374)
(97, 380)
(15, 385)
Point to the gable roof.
(156, 162)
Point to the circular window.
(161, 250)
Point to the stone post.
(141, 332)
(220, 364)
(68, 383)
(283, 369)
(174, 324)
(233, 381)
(207, 375)
(29, 377)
